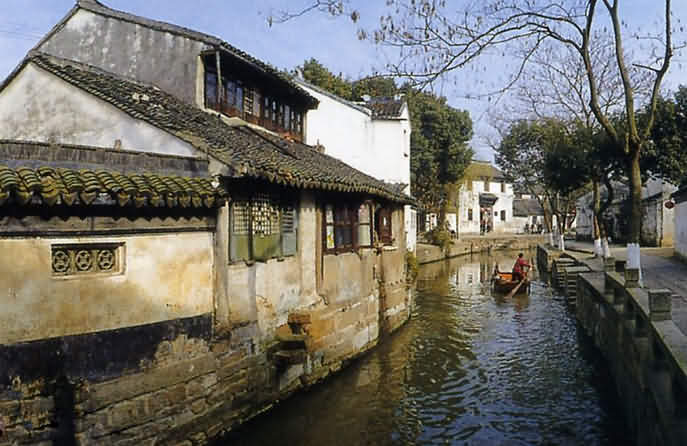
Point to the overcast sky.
(332, 41)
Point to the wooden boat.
(503, 283)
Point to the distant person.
(518, 268)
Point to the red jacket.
(520, 263)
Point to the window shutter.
(266, 229)
(289, 230)
(239, 231)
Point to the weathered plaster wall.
(68, 115)
(174, 283)
(185, 379)
(166, 60)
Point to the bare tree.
(435, 38)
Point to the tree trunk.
(596, 217)
(633, 254)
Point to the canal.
(468, 369)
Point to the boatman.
(518, 268)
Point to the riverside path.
(660, 269)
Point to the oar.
(517, 287)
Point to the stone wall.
(645, 350)
(430, 253)
(211, 357)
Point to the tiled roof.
(58, 186)
(525, 207)
(482, 169)
(385, 108)
(99, 8)
(249, 152)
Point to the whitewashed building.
(372, 136)
(485, 201)
(680, 219)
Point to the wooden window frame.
(350, 223)
(236, 97)
(387, 240)
(277, 202)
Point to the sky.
(332, 41)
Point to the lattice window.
(263, 226)
(84, 259)
(265, 213)
(241, 218)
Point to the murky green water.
(468, 369)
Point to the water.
(468, 369)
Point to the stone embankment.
(645, 348)
(427, 253)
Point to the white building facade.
(372, 136)
(680, 219)
(485, 201)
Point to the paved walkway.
(660, 269)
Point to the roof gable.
(261, 67)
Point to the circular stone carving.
(106, 260)
(83, 260)
(60, 262)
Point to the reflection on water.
(468, 369)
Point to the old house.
(179, 258)
(658, 227)
(528, 215)
(485, 201)
(372, 135)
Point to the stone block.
(631, 278)
(660, 305)
(620, 266)
(299, 317)
(609, 264)
(320, 328)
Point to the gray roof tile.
(249, 152)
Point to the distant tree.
(439, 149)
(666, 156)
(317, 74)
(521, 157)
(374, 86)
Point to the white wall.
(38, 106)
(681, 229)
(470, 200)
(377, 147)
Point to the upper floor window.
(469, 214)
(237, 97)
(503, 215)
(503, 188)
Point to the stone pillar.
(609, 263)
(631, 278)
(660, 305)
